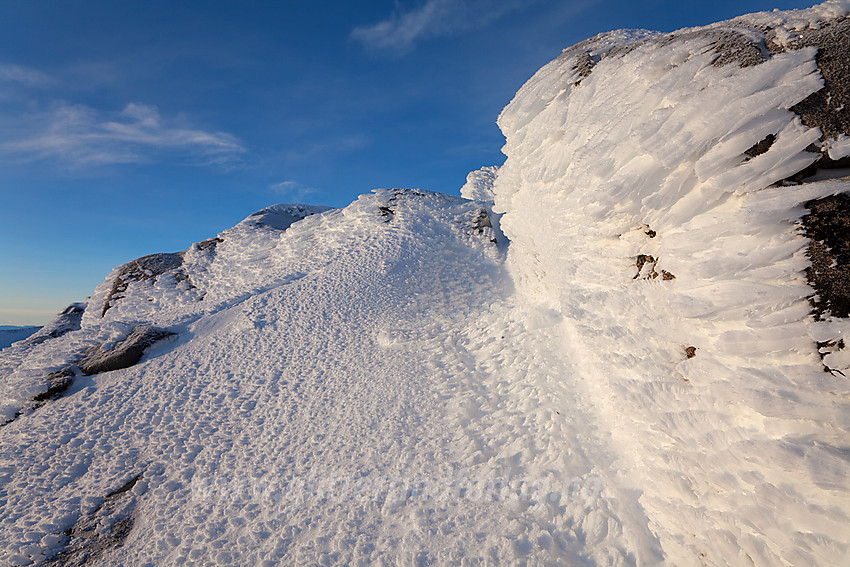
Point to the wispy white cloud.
(11, 74)
(35, 126)
(293, 190)
(327, 147)
(404, 28)
(79, 135)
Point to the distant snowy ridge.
(654, 194)
(11, 334)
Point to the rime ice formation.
(653, 193)
(638, 359)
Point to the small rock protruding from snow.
(125, 353)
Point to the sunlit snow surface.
(633, 379)
(357, 388)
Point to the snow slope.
(354, 389)
(637, 377)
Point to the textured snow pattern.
(710, 380)
(479, 184)
(357, 389)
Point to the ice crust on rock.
(711, 383)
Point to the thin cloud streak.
(24, 76)
(403, 29)
(79, 135)
(293, 190)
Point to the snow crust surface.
(356, 389)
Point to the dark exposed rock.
(281, 217)
(482, 226)
(584, 65)
(828, 227)
(144, 268)
(740, 46)
(124, 354)
(68, 320)
(646, 269)
(829, 108)
(761, 147)
(386, 213)
(690, 351)
(209, 244)
(59, 383)
(388, 209)
(98, 359)
(105, 528)
(642, 260)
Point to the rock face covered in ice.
(707, 154)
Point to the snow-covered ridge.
(655, 372)
(654, 193)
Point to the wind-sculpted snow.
(647, 198)
(355, 389)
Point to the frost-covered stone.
(125, 353)
(711, 136)
(281, 217)
(141, 269)
(479, 184)
(66, 321)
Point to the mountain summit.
(629, 349)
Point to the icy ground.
(635, 377)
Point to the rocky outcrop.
(103, 529)
(67, 321)
(103, 358)
(141, 269)
(124, 354)
(828, 227)
(829, 108)
(281, 217)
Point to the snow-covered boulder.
(655, 192)
(281, 217)
(479, 184)
(68, 320)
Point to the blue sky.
(128, 128)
